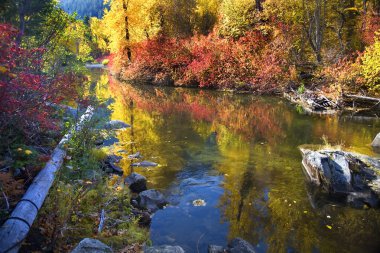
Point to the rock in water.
(116, 125)
(136, 182)
(114, 168)
(239, 245)
(151, 200)
(376, 141)
(134, 156)
(164, 249)
(114, 158)
(89, 245)
(145, 164)
(215, 249)
(353, 177)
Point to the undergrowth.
(82, 190)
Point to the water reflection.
(239, 154)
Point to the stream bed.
(239, 154)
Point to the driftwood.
(101, 223)
(362, 98)
(16, 228)
(312, 102)
(362, 105)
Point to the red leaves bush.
(255, 62)
(26, 93)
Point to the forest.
(259, 46)
(182, 125)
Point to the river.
(238, 153)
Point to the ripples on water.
(239, 154)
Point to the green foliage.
(34, 12)
(24, 155)
(301, 89)
(98, 154)
(370, 67)
(72, 210)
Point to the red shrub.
(25, 92)
(254, 62)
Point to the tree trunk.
(376, 7)
(21, 14)
(259, 6)
(315, 25)
(127, 36)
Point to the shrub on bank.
(26, 92)
(254, 62)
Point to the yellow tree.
(236, 17)
(206, 15)
(98, 31)
(128, 22)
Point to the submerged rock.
(164, 249)
(151, 200)
(89, 245)
(145, 164)
(111, 167)
(239, 245)
(114, 158)
(345, 176)
(134, 156)
(216, 249)
(136, 182)
(116, 125)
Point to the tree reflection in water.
(239, 153)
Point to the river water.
(238, 153)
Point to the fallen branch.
(6, 200)
(101, 223)
(16, 228)
(362, 98)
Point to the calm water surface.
(238, 153)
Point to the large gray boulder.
(89, 245)
(151, 200)
(376, 141)
(352, 177)
(136, 182)
(164, 249)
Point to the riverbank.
(89, 191)
(312, 101)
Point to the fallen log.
(17, 226)
(363, 98)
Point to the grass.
(80, 192)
